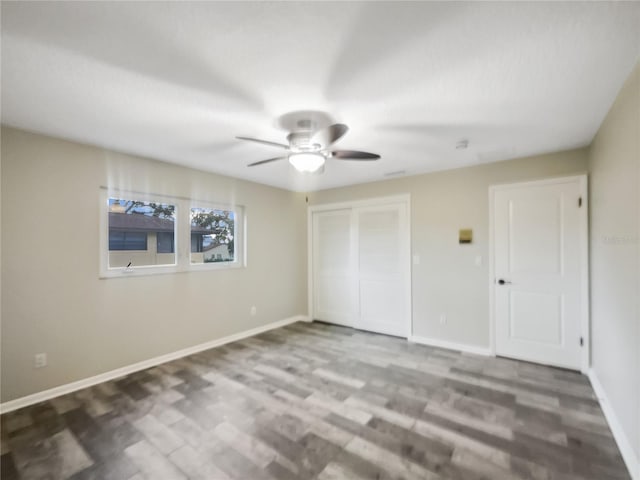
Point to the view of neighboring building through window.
(166, 243)
(212, 235)
(141, 233)
(123, 240)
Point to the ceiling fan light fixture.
(307, 162)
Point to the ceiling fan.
(309, 148)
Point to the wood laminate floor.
(313, 401)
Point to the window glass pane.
(141, 233)
(212, 235)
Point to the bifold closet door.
(333, 267)
(382, 269)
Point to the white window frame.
(182, 235)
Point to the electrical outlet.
(253, 311)
(40, 360)
(443, 319)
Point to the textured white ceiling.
(178, 81)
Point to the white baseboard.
(624, 444)
(462, 347)
(152, 362)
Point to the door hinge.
(579, 201)
(581, 342)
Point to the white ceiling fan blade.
(266, 161)
(329, 135)
(265, 142)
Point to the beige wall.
(614, 162)
(53, 300)
(447, 281)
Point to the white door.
(383, 252)
(333, 267)
(538, 264)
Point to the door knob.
(503, 282)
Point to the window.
(213, 234)
(123, 240)
(145, 234)
(166, 242)
(141, 233)
(196, 242)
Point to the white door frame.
(368, 202)
(585, 359)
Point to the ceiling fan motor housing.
(301, 142)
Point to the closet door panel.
(333, 265)
(382, 251)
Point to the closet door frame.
(404, 199)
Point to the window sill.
(166, 270)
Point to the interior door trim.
(582, 180)
(368, 202)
